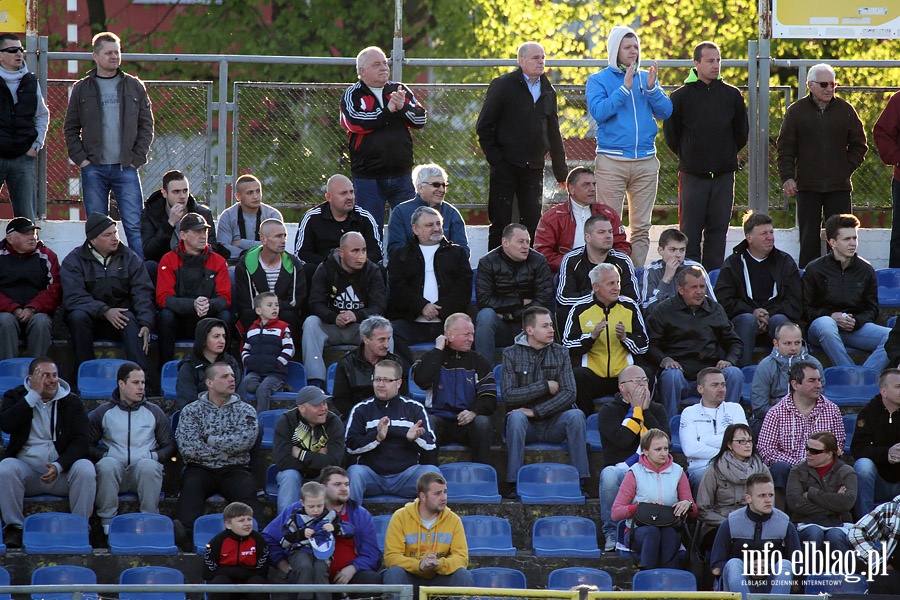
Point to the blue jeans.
(673, 387)
(734, 581)
(366, 482)
(780, 471)
(398, 576)
(872, 489)
(492, 331)
(870, 337)
(371, 194)
(21, 179)
(567, 426)
(96, 183)
(658, 547)
(745, 326)
(289, 484)
(836, 536)
(610, 480)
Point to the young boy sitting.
(238, 554)
(267, 349)
(659, 276)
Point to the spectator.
(886, 134)
(821, 143)
(269, 268)
(237, 555)
(688, 333)
(876, 445)
(461, 386)
(707, 129)
(440, 555)
(539, 391)
(518, 124)
(107, 294)
(30, 290)
(109, 128)
(756, 527)
(239, 224)
(770, 383)
(215, 436)
(876, 533)
(378, 114)
(162, 213)
(621, 423)
(574, 271)
(510, 279)
(193, 283)
(561, 228)
(429, 279)
(840, 299)
(431, 188)
(47, 449)
(759, 285)
(604, 334)
(210, 346)
(821, 491)
(346, 289)
(387, 437)
(660, 275)
(268, 347)
(24, 129)
(703, 425)
(307, 440)
(137, 441)
(658, 479)
(788, 424)
(355, 370)
(323, 226)
(624, 101)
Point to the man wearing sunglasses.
(23, 129)
(821, 144)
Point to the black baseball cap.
(21, 225)
(193, 222)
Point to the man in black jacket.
(759, 285)
(510, 279)
(707, 129)
(346, 289)
(429, 279)
(876, 446)
(517, 125)
(47, 450)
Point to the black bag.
(657, 515)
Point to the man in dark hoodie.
(137, 440)
(210, 346)
(193, 283)
(707, 129)
(107, 293)
(876, 446)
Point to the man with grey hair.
(821, 143)
(431, 188)
(429, 279)
(378, 114)
(353, 374)
(603, 333)
(517, 126)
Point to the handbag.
(657, 515)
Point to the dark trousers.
(199, 483)
(173, 326)
(812, 209)
(226, 580)
(84, 329)
(894, 260)
(407, 333)
(704, 212)
(589, 385)
(508, 182)
(477, 435)
(658, 547)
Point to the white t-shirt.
(430, 289)
(702, 429)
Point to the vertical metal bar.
(397, 50)
(235, 138)
(762, 199)
(752, 102)
(207, 154)
(222, 150)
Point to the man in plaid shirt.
(866, 537)
(788, 424)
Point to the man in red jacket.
(887, 139)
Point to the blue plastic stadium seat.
(565, 537)
(499, 577)
(296, 378)
(169, 379)
(622, 541)
(13, 372)
(713, 277)
(829, 583)
(498, 380)
(205, 528)
(549, 483)
(471, 482)
(422, 347)
(891, 322)
(639, 274)
(387, 499)
(272, 483)
(849, 428)
(2, 550)
(381, 523)
(151, 576)
(664, 580)
(329, 378)
(417, 393)
(4, 580)
(176, 416)
(567, 578)
(593, 433)
(56, 533)
(888, 287)
(97, 378)
(675, 441)
(267, 419)
(850, 386)
(63, 575)
(747, 389)
(488, 536)
(142, 534)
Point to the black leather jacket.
(502, 283)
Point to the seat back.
(592, 433)
(549, 483)
(13, 372)
(569, 577)
(675, 428)
(63, 575)
(555, 533)
(664, 580)
(151, 576)
(329, 378)
(169, 379)
(747, 389)
(488, 536)
(417, 393)
(205, 528)
(97, 377)
(142, 534)
(296, 378)
(267, 420)
(849, 428)
(381, 524)
(499, 577)
(471, 482)
(850, 385)
(4, 580)
(56, 533)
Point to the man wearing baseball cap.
(30, 289)
(307, 439)
(192, 283)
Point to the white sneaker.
(106, 529)
(610, 544)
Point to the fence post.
(397, 50)
(38, 65)
(753, 157)
(222, 151)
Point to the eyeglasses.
(436, 184)
(384, 380)
(815, 450)
(637, 380)
(13, 50)
(826, 84)
(744, 442)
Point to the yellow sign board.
(836, 19)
